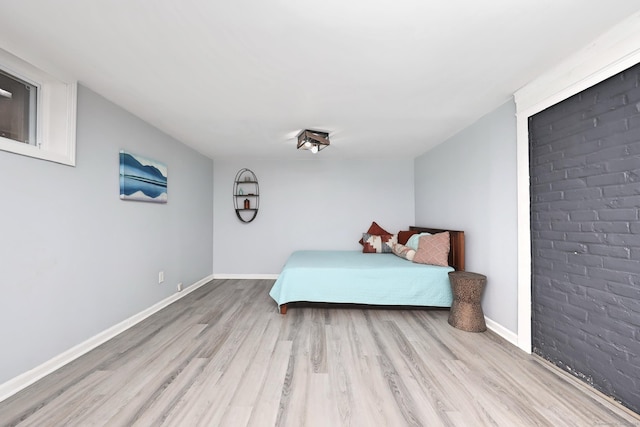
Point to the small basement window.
(37, 112)
(18, 103)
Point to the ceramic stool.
(466, 311)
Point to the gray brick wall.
(585, 230)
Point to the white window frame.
(55, 116)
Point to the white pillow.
(413, 240)
(403, 252)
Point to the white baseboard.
(502, 331)
(245, 276)
(24, 380)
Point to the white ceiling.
(243, 77)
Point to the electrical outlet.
(180, 287)
(161, 277)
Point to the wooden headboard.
(456, 253)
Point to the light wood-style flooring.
(223, 356)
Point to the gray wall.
(469, 183)
(74, 258)
(308, 203)
(585, 164)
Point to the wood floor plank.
(223, 355)
(265, 411)
(414, 409)
(156, 411)
(453, 389)
(233, 364)
(252, 380)
(342, 378)
(62, 410)
(321, 407)
(292, 410)
(130, 387)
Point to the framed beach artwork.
(142, 179)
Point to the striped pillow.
(377, 244)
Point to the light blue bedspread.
(359, 278)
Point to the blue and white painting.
(142, 179)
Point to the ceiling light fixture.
(313, 140)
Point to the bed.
(354, 277)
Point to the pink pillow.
(433, 250)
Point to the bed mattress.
(361, 278)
